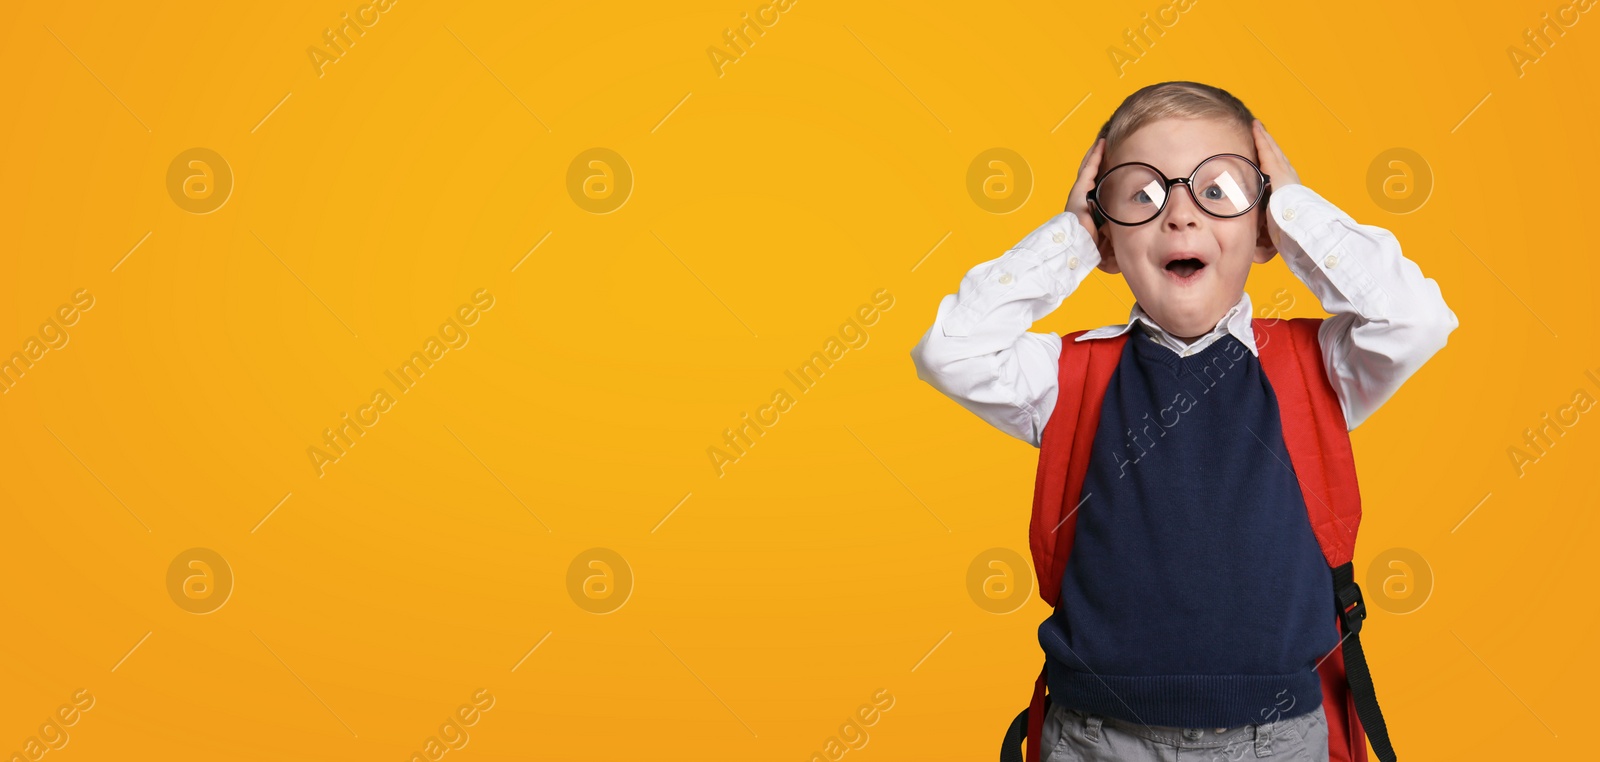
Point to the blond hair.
(1166, 100)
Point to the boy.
(1195, 596)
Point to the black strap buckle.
(1352, 607)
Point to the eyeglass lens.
(1224, 186)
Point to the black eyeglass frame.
(1100, 217)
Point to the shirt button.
(1288, 214)
(1005, 278)
(1072, 263)
(1192, 734)
(1059, 237)
(1220, 731)
(1330, 261)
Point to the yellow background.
(830, 562)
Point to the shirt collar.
(1237, 322)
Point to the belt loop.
(1091, 727)
(1264, 739)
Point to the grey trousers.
(1073, 736)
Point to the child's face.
(1185, 307)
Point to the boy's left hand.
(1276, 167)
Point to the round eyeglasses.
(1226, 185)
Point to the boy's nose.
(1181, 211)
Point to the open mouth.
(1185, 270)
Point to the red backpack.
(1318, 441)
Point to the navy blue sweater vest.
(1196, 594)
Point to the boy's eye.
(1141, 197)
(1212, 193)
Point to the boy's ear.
(1265, 250)
(1108, 256)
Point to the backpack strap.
(1084, 371)
(1318, 441)
(1314, 431)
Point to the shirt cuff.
(1064, 246)
(1305, 216)
(1317, 240)
(1050, 263)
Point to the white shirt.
(1386, 318)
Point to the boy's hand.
(1276, 167)
(1078, 203)
(1077, 198)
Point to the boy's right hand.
(1078, 204)
(1078, 197)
